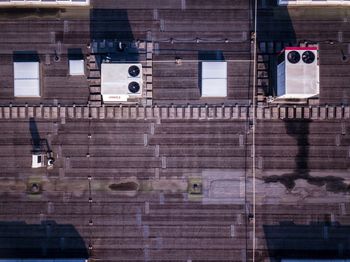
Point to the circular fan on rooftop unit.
(308, 57)
(293, 57)
(134, 87)
(134, 71)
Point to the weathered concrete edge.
(175, 112)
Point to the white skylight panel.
(214, 70)
(76, 67)
(23, 70)
(26, 79)
(214, 87)
(214, 79)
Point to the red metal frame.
(300, 48)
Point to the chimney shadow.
(75, 54)
(275, 31)
(299, 129)
(111, 36)
(39, 145)
(47, 240)
(318, 240)
(26, 56)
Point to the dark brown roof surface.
(121, 188)
(302, 177)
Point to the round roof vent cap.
(134, 87)
(308, 57)
(293, 57)
(134, 71)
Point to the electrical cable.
(89, 185)
(254, 126)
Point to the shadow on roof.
(26, 56)
(112, 38)
(326, 240)
(46, 240)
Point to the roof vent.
(134, 71)
(38, 160)
(134, 87)
(293, 57)
(34, 188)
(308, 57)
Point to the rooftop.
(172, 174)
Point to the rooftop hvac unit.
(298, 72)
(119, 82)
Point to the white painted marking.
(156, 173)
(163, 162)
(139, 218)
(342, 207)
(232, 230)
(162, 25)
(155, 14)
(156, 153)
(146, 231)
(66, 26)
(146, 207)
(145, 139)
(241, 140)
(161, 198)
(340, 36)
(152, 128)
(50, 208)
(52, 37)
(343, 128)
(183, 4)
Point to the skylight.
(26, 79)
(214, 79)
(76, 67)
